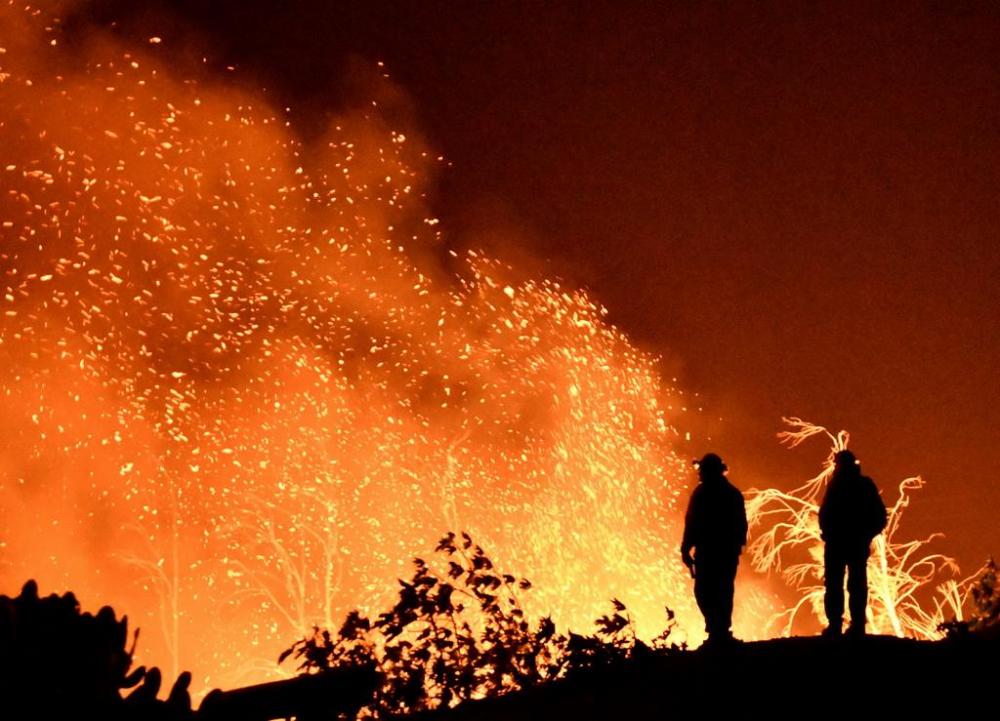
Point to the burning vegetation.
(243, 379)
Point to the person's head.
(846, 462)
(710, 466)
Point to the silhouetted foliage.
(55, 659)
(984, 595)
(462, 634)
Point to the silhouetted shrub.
(463, 634)
(56, 662)
(984, 596)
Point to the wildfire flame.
(241, 389)
(243, 385)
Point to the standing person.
(851, 515)
(716, 528)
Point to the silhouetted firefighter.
(716, 528)
(851, 515)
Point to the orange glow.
(239, 395)
(243, 385)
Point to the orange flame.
(240, 393)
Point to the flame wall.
(239, 394)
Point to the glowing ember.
(240, 393)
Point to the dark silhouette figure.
(716, 528)
(851, 515)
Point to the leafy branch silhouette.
(981, 591)
(461, 633)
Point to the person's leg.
(711, 582)
(833, 599)
(727, 590)
(702, 596)
(857, 589)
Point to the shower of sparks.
(911, 592)
(239, 394)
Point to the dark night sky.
(796, 205)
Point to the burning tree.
(200, 306)
(900, 573)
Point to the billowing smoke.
(239, 395)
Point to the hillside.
(873, 677)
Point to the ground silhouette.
(59, 663)
(794, 678)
